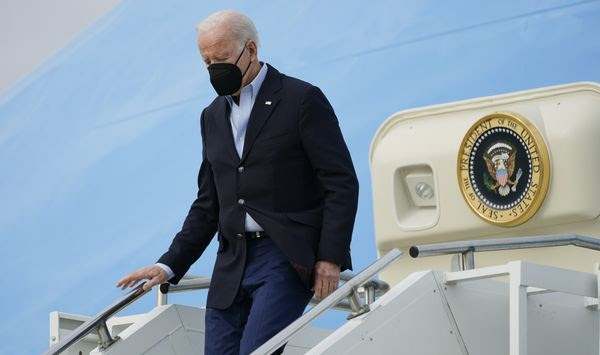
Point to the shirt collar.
(254, 86)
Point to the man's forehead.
(217, 40)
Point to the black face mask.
(226, 78)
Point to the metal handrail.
(467, 248)
(203, 282)
(348, 289)
(197, 283)
(371, 289)
(98, 322)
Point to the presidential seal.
(503, 169)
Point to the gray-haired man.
(276, 182)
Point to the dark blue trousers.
(270, 297)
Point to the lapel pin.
(267, 102)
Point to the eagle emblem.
(503, 169)
(500, 158)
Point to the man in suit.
(278, 185)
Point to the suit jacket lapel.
(225, 127)
(266, 101)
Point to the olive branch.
(487, 180)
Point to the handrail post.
(369, 295)
(106, 339)
(357, 307)
(161, 297)
(468, 260)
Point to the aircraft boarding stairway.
(517, 308)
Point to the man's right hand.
(154, 274)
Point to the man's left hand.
(327, 277)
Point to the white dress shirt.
(240, 114)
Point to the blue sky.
(100, 146)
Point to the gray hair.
(238, 25)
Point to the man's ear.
(253, 49)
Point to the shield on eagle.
(500, 158)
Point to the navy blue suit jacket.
(295, 178)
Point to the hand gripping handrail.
(467, 248)
(98, 323)
(346, 290)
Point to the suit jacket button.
(241, 201)
(241, 169)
